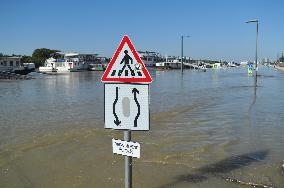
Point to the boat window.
(11, 63)
(5, 63)
(17, 63)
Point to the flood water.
(205, 127)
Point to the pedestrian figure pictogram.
(126, 62)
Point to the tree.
(26, 59)
(41, 54)
(281, 59)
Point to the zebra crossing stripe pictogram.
(125, 73)
(126, 65)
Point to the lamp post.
(181, 67)
(255, 21)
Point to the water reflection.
(254, 93)
(220, 168)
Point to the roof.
(10, 57)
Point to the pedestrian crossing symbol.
(126, 65)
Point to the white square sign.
(127, 106)
(131, 149)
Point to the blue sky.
(217, 27)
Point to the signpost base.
(128, 163)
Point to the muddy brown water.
(204, 126)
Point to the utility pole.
(255, 21)
(181, 54)
(181, 67)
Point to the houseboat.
(150, 58)
(100, 64)
(54, 65)
(71, 62)
(171, 62)
(97, 67)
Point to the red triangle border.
(147, 78)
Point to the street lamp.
(255, 21)
(181, 67)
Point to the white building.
(10, 64)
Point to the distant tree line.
(4, 55)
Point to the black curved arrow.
(135, 91)
(116, 121)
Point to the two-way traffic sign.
(127, 106)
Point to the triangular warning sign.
(126, 65)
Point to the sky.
(217, 28)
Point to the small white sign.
(127, 106)
(131, 149)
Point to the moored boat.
(97, 67)
(72, 62)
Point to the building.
(10, 63)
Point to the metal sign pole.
(128, 163)
(132, 91)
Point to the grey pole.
(255, 21)
(181, 67)
(181, 54)
(256, 68)
(128, 163)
